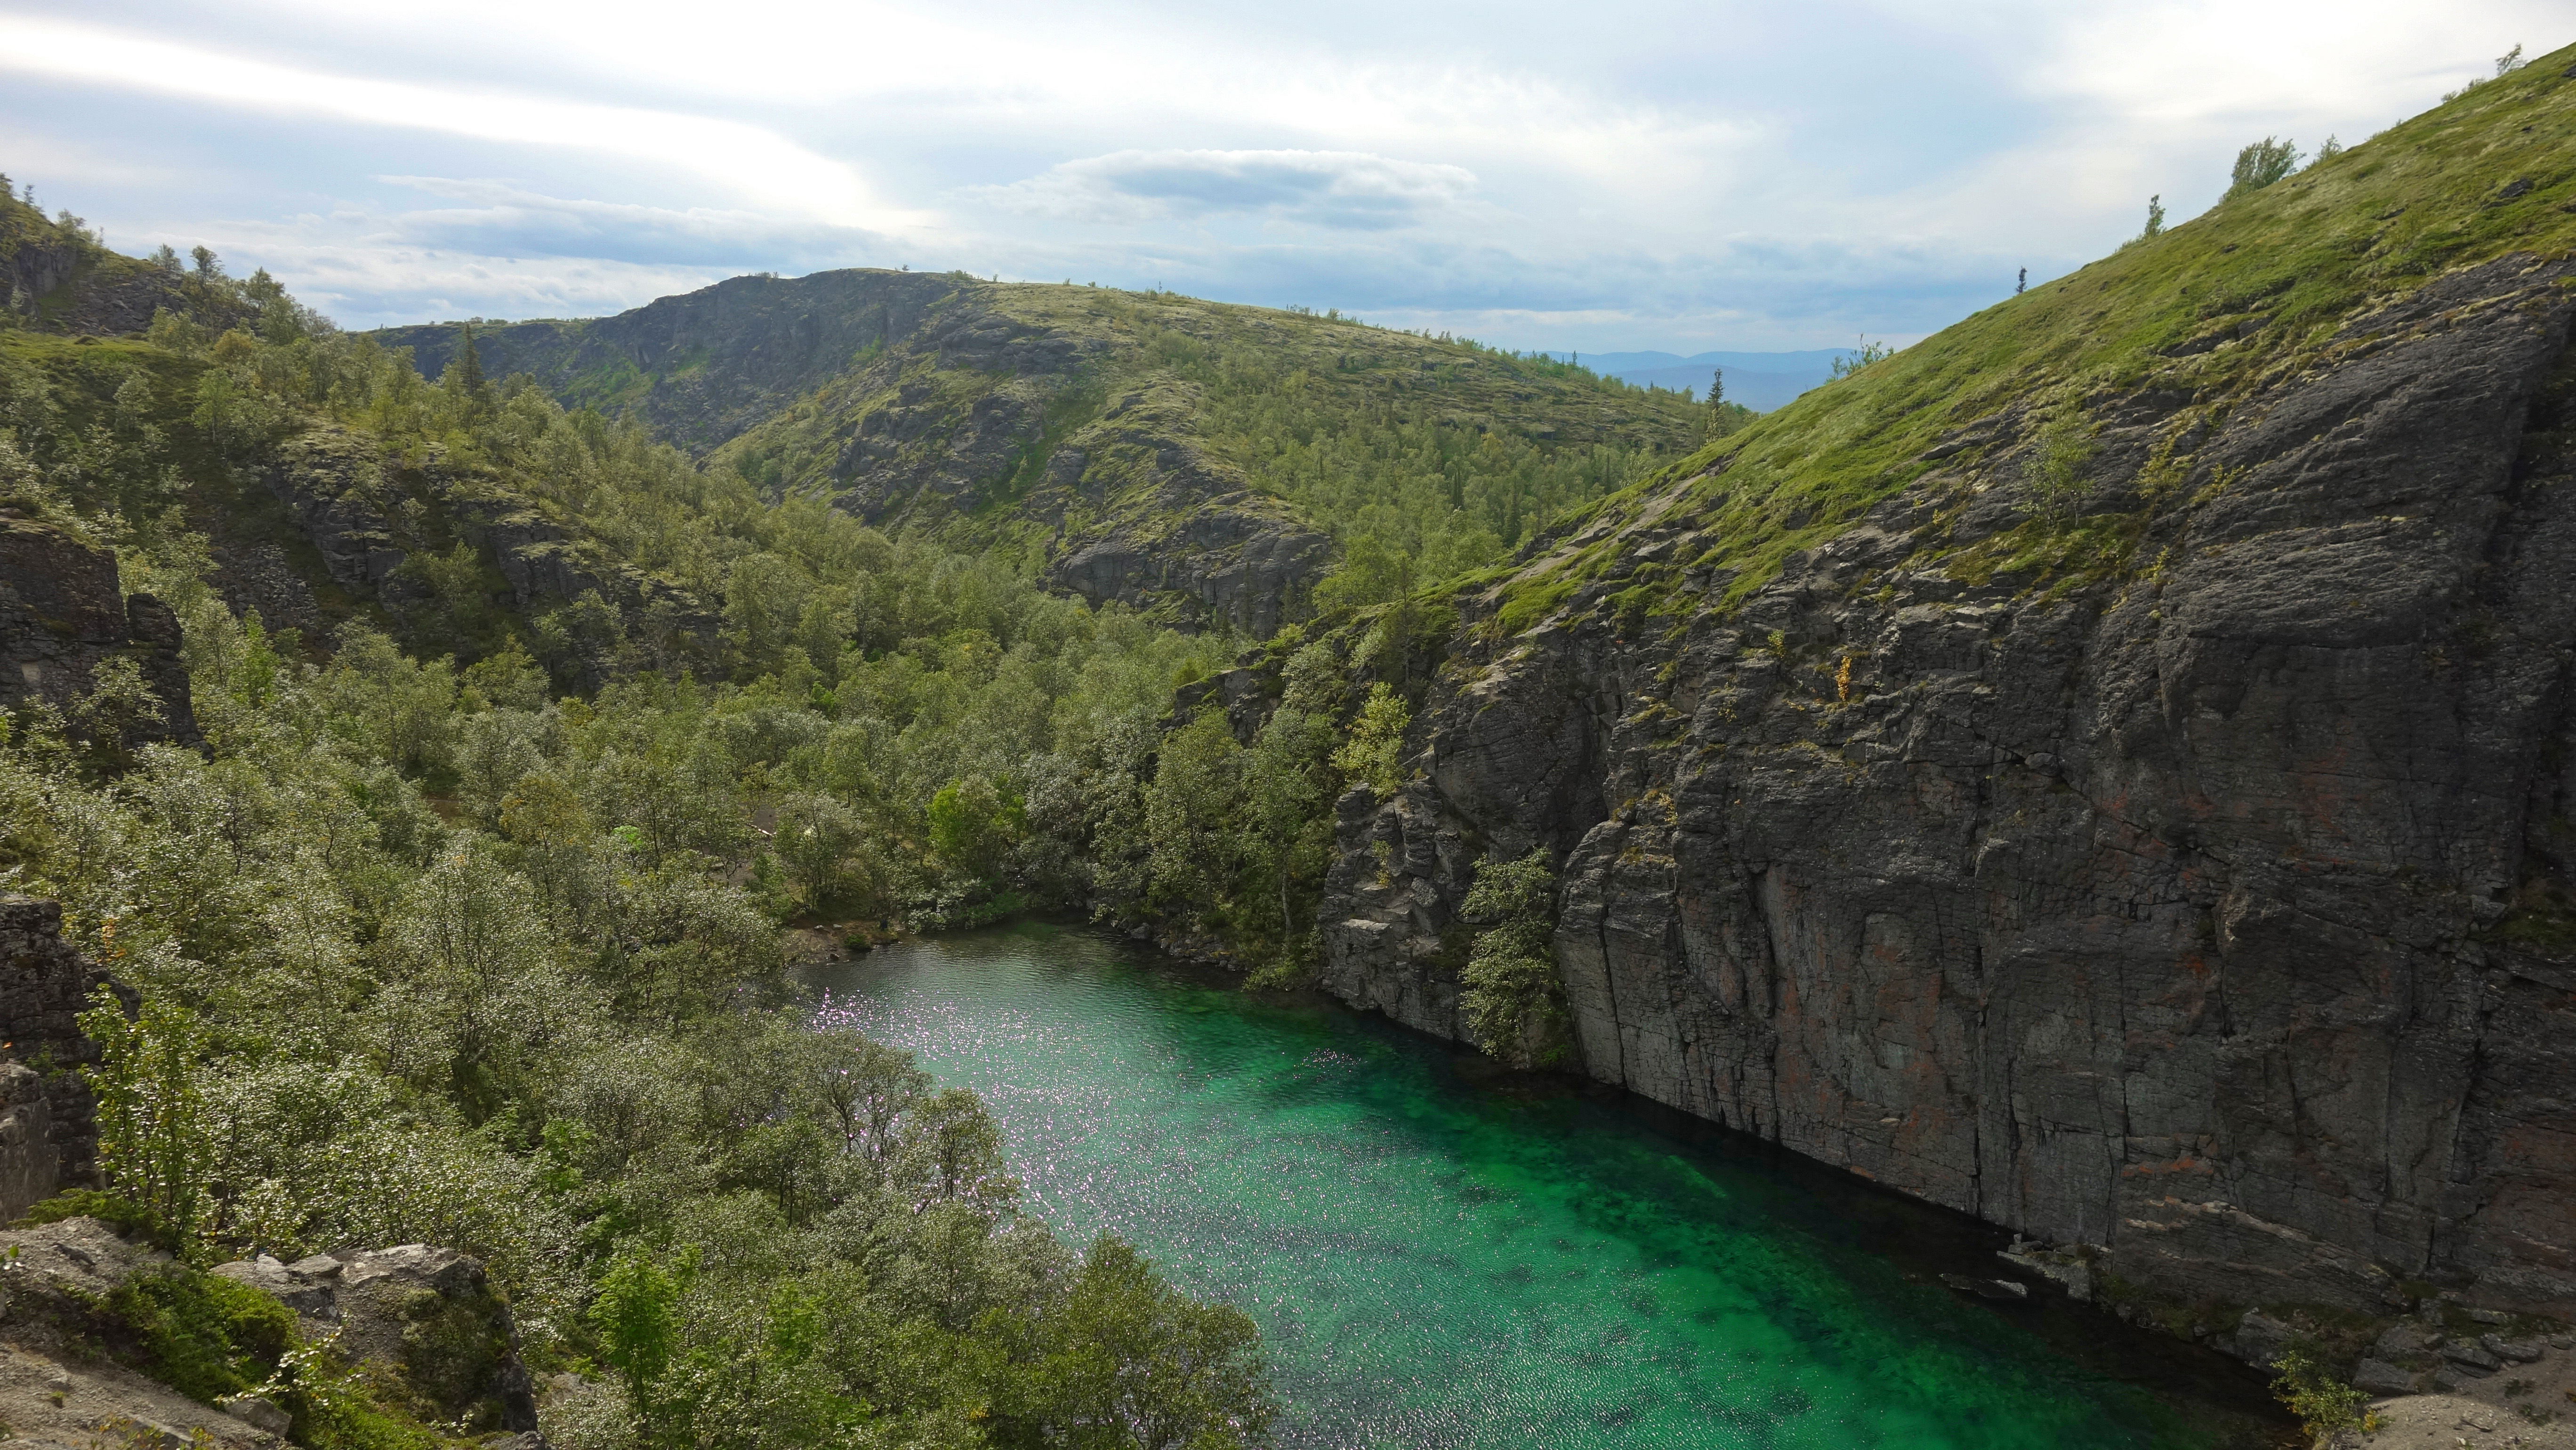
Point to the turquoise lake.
(1440, 1255)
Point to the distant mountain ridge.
(1759, 380)
(1146, 445)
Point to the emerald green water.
(1437, 1260)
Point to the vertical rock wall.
(2211, 911)
(62, 613)
(48, 1133)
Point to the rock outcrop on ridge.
(2179, 874)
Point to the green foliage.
(1429, 455)
(152, 1144)
(1373, 753)
(2281, 270)
(1511, 996)
(2261, 164)
(1868, 353)
(1371, 573)
(122, 1214)
(822, 842)
(2326, 1406)
(1287, 790)
(204, 1336)
(2063, 449)
(637, 1318)
(973, 824)
(330, 1404)
(1133, 1363)
(1190, 816)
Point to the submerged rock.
(1987, 1288)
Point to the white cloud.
(759, 163)
(1736, 174)
(1347, 190)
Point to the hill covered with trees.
(1207, 464)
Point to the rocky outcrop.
(73, 286)
(57, 1392)
(257, 577)
(367, 516)
(333, 484)
(422, 1324)
(1147, 518)
(62, 613)
(58, 276)
(2208, 912)
(48, 1130)
(425, 1333)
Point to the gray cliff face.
(1145, 516)
(78, 288)
(48, 1126)
(366, 516)
(62, 613)
(2210, 911)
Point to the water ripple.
(1439, 1266)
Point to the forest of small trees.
(465, 926)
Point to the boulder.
(2469, 1356)
(426, 1325)
(308, 1294)
(2518, 1351)
(2380, 1377)
(2404, 1338)
(63, 613)
(57, 1275)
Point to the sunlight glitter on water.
(1435, 1264)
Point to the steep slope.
(1153, 449)
(2104, 768)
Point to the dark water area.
(1443, 1255)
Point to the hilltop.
(1202, 461)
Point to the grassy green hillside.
(2255, 290)
(1441, 447)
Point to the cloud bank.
(1338, 190)
(1716, 176)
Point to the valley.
(2090, 786)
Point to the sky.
(1610, 176)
